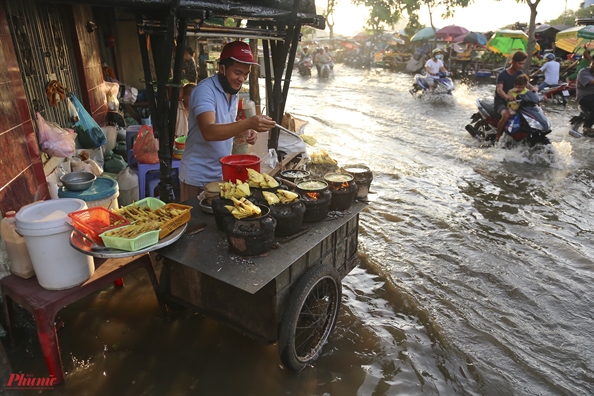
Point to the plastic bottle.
(20, 262)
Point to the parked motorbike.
(304, 66)
(577, 123)
(443, 85)
(529, 125)
(557, 93)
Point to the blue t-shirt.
(200, 161)
(508, 83)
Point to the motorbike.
(528, 126)
(577, 123)
(556, 93)
(304, 66)
(443, 85)
(325, 70)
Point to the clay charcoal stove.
(363, 178)
(289, 217)
(343, 189)
(251, 236)
(316, 198)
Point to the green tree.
(384, 13)
(567, 18)
(533, 4)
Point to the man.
(505, 82)
(330, 57)
(189, 70)
(551, 71)
(211, 120)
(585, 96)
(433, 66)
(580, 62)
(320, 58)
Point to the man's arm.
(211, 131)
(501, 93)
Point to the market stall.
(265, 255)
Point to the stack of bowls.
(178, 147)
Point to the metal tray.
(82, 245)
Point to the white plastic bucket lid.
(47, 217)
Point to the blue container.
(104, 192)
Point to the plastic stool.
(143, 169)
(153, 178)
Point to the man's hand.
(262, 123)
(252, 136)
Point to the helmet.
(550, 56)
(305, 48)
(436, 51)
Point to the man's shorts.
(499, 107)
(431, 79)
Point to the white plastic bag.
(111, 95)
(55, 140)
(271, 159)
(72, 112)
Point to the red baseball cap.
(239, 52)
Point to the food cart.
(291, 294)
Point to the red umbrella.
(450, 31)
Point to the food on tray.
(281, 196)
(322, 157)
(243, 208)
(134, 230)
(144, 214)
(228, 190)
(261, 180)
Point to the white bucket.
(57, 264)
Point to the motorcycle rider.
(433, 66)
(320, 58)
(585, 96)
(551, 71)
(329, 54)
(304, 56)
(505, 82)
(581, 61)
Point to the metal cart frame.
(290, 296)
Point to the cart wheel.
(310, 316)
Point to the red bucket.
(235, 166)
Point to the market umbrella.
(471, 38)
(349, 44)
(424, 34)
(390, 39)
(571, 39)
(450, 31)
(507, 42)
(362, 37)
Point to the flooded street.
(477, 272)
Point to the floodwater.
(477, 271)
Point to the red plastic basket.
(95, 221)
